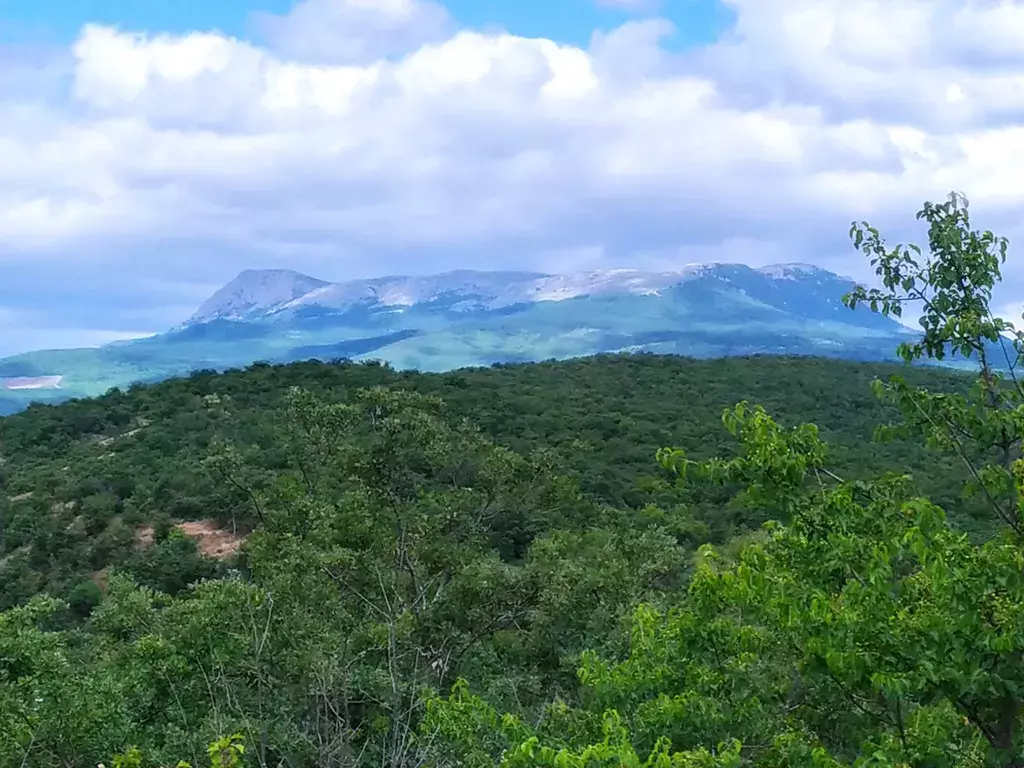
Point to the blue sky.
(573, 21)
(152, 150)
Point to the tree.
(399, 551)
(862, 629)
(55, 710)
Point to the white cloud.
(355, 31)
(370, 137)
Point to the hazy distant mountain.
(282, 294)
(469, 318)
(254, 292)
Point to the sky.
(151, 151)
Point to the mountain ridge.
(476, 318)
(254, 289)
(265, 293)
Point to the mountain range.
(475, 318)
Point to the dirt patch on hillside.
(22, 496)
(212, 540)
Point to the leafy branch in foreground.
(223, 753)
(984, 428)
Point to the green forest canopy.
(86, 475)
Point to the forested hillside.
(619, 561)
(83, 479)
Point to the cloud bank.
(361, 137)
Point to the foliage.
(83, 479)
(395, 551)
